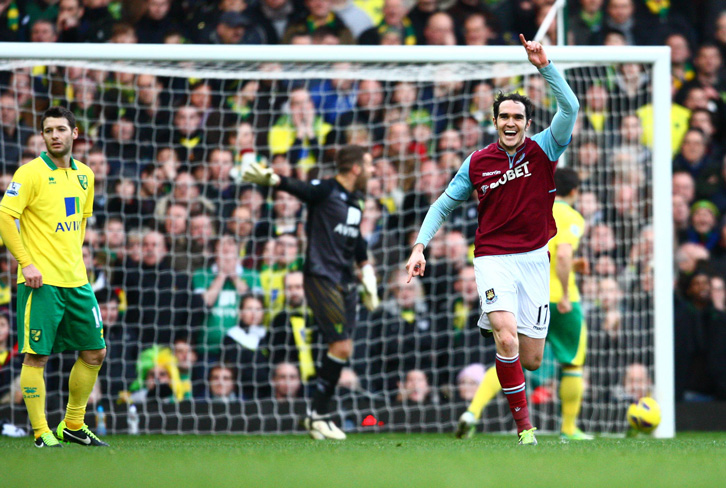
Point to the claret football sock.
(328, 376)
(32, 384)
(511, 378)
(80, 384)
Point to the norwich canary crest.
(83, 180)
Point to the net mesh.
(166, 142)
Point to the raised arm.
(563, 122)
(264, 176)
(567, 105)
(314, 191)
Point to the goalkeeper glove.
(260, 175)
(370, 288)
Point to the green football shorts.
(55, 319)
(568, 335)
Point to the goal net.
(198, 274)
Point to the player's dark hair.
(566, 180)
(348, 156)
(59, 113)
(515, 97)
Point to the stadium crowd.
(198, 274)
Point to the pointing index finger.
(523, 40)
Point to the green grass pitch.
(386, 460)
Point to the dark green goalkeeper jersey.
(332, 227)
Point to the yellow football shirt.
(679, 125)
(374, 9)
(570, 228)
(51, 203)
(273, 286)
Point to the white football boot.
(322, 428)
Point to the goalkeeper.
(514, 182)
(567, 333)
(334, 242)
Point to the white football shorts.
(517, 283)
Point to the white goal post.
(417, 63)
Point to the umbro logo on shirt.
(51, 180)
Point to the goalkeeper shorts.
(333, 306)
(516, 283)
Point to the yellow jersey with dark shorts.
(567, 333)
(51, 203)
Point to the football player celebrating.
(514, 181)
(567, 334)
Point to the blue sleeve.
(554, 139)
(456, 193)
